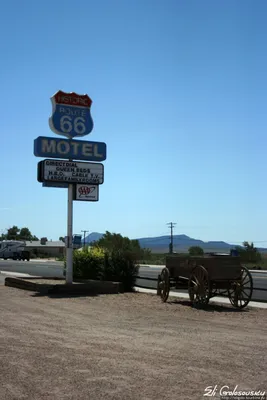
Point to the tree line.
(115, 241)
(110, 241)
(15, 233)
(248, 253)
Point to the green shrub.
(88, 264)
(195, 251)
(97, 263)
(121, 266)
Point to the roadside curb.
(216, 300)
(16, 274)
(78, 287)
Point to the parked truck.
(14, 249)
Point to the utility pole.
(84, 233)
(171, 226)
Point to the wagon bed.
(206, 277)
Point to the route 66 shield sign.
(71, 115)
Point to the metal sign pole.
(69, 263)
(71, 117)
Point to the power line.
(171, 226)
(84, 233)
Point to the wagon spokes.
(241, 289)
(199, 286)
(163, 288)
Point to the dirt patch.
(126, 346)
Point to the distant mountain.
(181, 243)
(92, 237)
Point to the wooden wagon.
(205, 277)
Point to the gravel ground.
(127, 346)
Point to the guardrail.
(258, 271)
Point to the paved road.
(55, 269)
(37, 268)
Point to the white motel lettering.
(65, 147)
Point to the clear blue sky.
(179, 95)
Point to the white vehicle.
(14, 249)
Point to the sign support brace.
(69, 250)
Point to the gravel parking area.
(126, 346)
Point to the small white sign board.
(83, 192)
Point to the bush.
(196, 251)
(249, 253)
(109, 265)
(121, 266)
(88, 264)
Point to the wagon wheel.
(199, 286)
(163, 288)
(240, 292)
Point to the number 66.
(78, 124)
